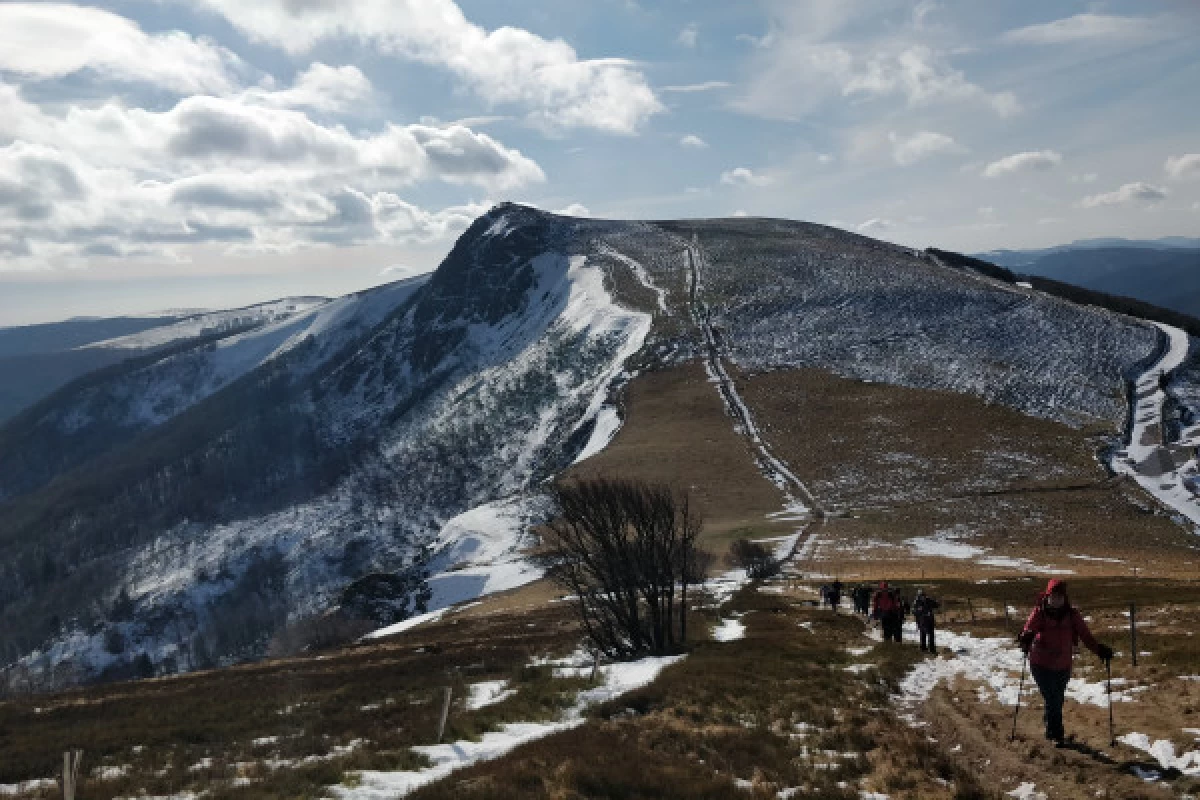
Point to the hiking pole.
(1020, 690)
(1112, 737)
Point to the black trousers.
(926, 632)
(893, 627)
(1052, 683)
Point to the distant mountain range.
(1165, 272)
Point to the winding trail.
(798, 496)
(1164, 470)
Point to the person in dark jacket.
(923, 608)
(886, 608)
(835, 594)
(1049, 637)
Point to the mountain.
(1165, 272)
(180, 509)
(36, 360)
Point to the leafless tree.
(753, 557)
(627, 551)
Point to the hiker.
(923, 608)
(835, 594)
(824, 590)
(886, 609)
(864, 598)
(1049, 636)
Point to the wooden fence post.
(445, 713)
(69, 781)
(971, 608)
(595, 664)
(1133, 632)
(1007, 619)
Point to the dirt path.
(771, 466)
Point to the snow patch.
(488, 693)
(729, 630)
(617, 679)
(1163, 752)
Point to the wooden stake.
(445, 713)
(971, 608)
(69, 781)
(595, 664)
(1133, 632)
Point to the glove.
(1105, 652)
(1025, 640)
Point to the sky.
(165, 154)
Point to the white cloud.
(1184, 167)
(689, 35)
(1087, 28)
(506, 66)
(321, 88)
(909, 150)
(1129, 194)
(120, 181)
(574, 210)
(693, 141)
(51, 40)
(742, 176)
(875, 225)
(824, 158)
(1030, 161)
(691, 88)
(804, 71)
(740, 213)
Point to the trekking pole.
(1020, 690)
(1112, 737)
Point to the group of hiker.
(887, 606)
(1047, 639)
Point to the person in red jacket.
(1049, 638)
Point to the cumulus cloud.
(127, 181)
(52, 40)
(574, 210)
(506, 66)
(321, 88)
(1183, 167)
(743, 176)
(908, 150)
(693, 141)
(1137, 193)
(813, 63)
(689, 35)
(1087, 28)
(1030, 161)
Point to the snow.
(487, 693)
(481, 551)
(1097, 558)
(608, 422)
(407, 624)
(1026, 791)
(1154, 466)
(27, 786)
(948, 544)
(110, 773)
(729, 630)
(1163, 752)
(640, 271)
(617, 679)
(997, 664)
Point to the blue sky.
(212, 153)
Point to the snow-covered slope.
(406, 430)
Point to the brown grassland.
(804, 702)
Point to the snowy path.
(771, 466)
(1164, 471)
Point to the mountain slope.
(248, 499)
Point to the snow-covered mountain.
(190, 506)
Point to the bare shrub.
(319, 632)
(627, 551)
(753, 557)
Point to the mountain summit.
(179, 509)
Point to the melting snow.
(617, 679)
(1164, 753)
(729, 630)
(1027, 791)
(487, 693)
